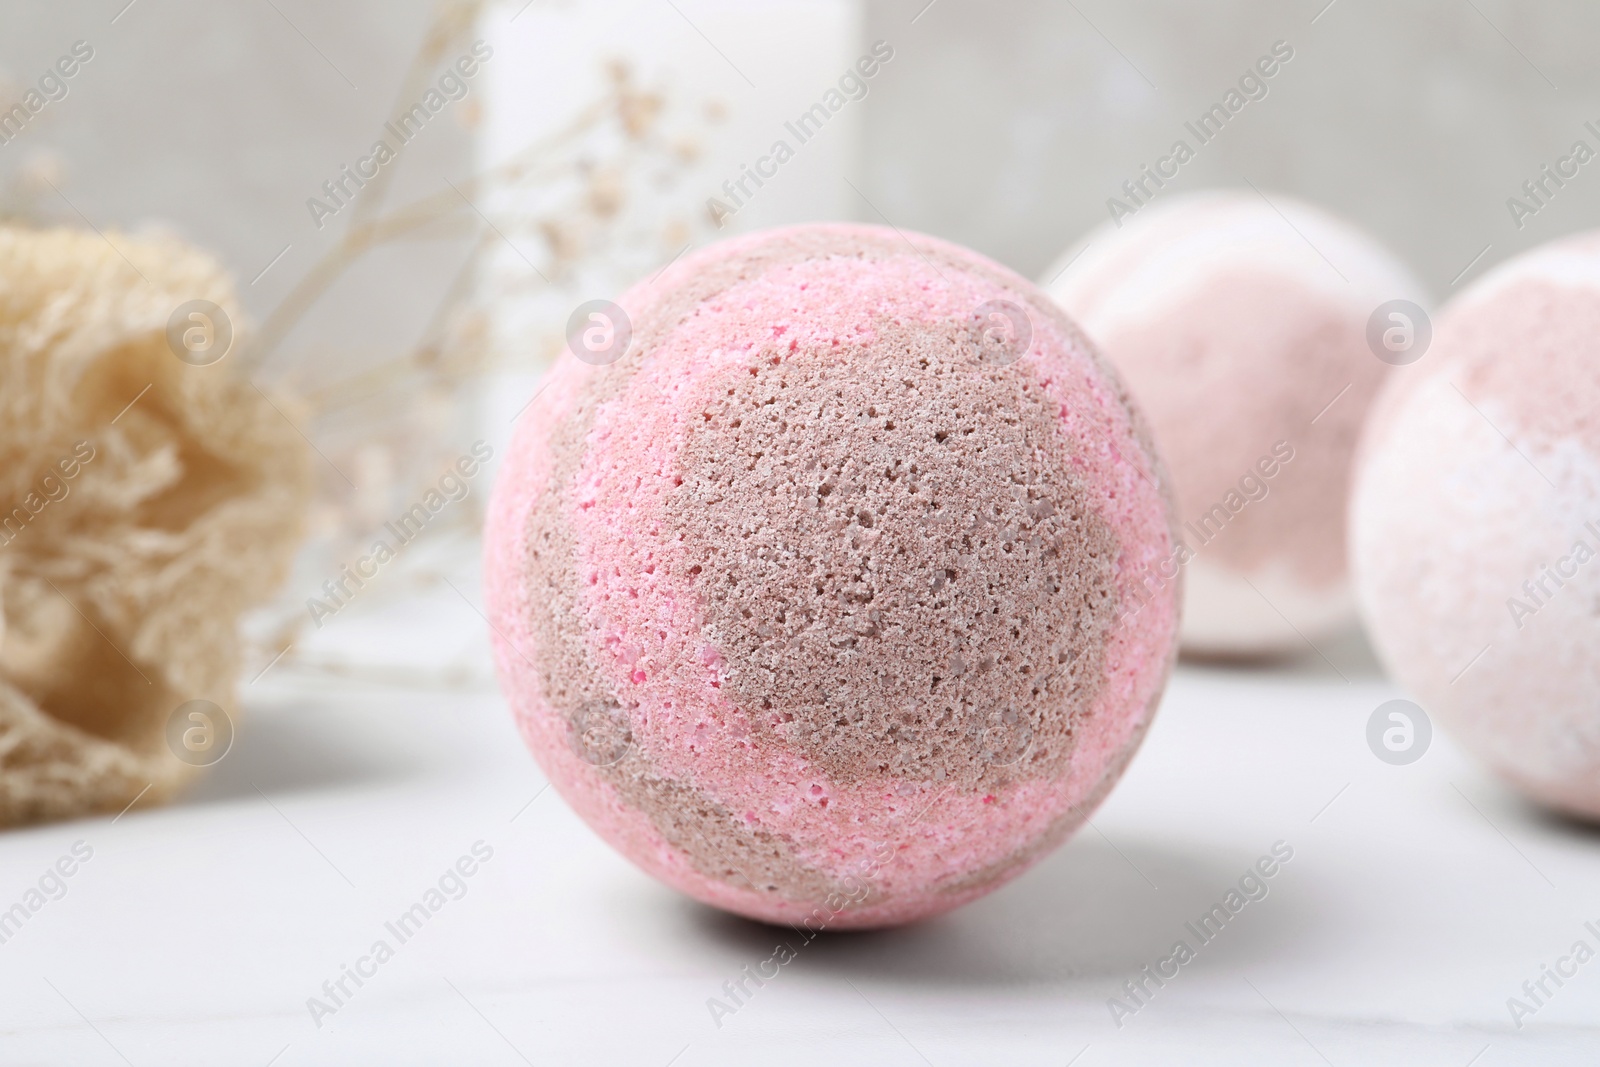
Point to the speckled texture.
(812, 612)
(1235, 335)
(1480, 472)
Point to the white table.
(1418, 900)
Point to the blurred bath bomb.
(814, 599)
(1242, 334)
(1475, 524)
(151, 494)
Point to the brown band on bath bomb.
(894, 560)
(711, 838)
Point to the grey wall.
(218, 120)
(1007, 123)
(1003, 124)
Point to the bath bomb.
(819, 603)
(1475, 525)
(1240, 326)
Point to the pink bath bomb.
(1475, 526)
(1240, 327)
(819, 603)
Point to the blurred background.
(592, 143)
(583, 156)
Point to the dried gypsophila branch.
(456, 347)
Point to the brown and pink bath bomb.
(1240, 327)
(818, 603)
(1475, 526)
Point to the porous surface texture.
(1475, 524)
(146, 503)
(1240, 328)
(811, 608)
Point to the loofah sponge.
(144, 503)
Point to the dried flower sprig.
(586, 199)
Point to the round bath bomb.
(820, 603)
(1242, 334)
(1475, 525)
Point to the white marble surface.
(1418, 900)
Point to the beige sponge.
(146, 500)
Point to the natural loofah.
(144, 504)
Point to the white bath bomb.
(1240, 325)
(1475, 524)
